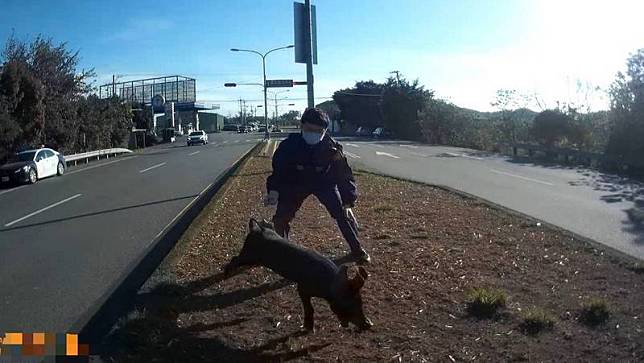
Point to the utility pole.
(113, 85)
(275, 117)
(240, 110)
(309, 53)
(244, 102)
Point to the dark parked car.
(382, 133)
(31, 165)
(243, 129)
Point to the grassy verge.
(431, 248)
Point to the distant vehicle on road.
(31, 165)
(262, 129)
(276, 129)
(243, 129)
(363, 131)
(197, 137)
(382, 133)
(230, 127)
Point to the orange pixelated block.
(71, 344)
(12, 339)
(38, 338)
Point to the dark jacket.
(299, 165)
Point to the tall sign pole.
(306, 42)
(309, 53)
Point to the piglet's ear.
(253, 226)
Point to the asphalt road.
(595, 205)
(65, 240)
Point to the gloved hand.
(271, 198)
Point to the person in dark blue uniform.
(311, 162)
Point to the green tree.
(441, 123)
(44, 98)
(290, 118)
(551, 127)
(23, 98)
(360, 105)
(402, 103)
(627, 112)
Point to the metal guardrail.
(97, 154)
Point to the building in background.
(172, 100)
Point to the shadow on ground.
(618, 189)
(150, 331)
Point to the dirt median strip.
(431, 249)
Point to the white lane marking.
(275, 144)
(352, 145)
(224, 142)
(194, 153)
(352, 155)
(409, 146)
(152, 167)
(236, 141)
(98, 166)
(471, 157)
(11, 190)
(419, 154)
(387, 154)
(378, 145)
(42, 210)
(463, 156)
(521, 177)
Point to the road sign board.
(299, 35)
(274, 83)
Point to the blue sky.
(462, 49)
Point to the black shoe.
(361, 256)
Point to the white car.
(197, 137)
(31, 165)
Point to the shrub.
(536, 320)
(483, 303)
(595, 312)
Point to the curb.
(588, 244)
(94, 324)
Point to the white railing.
(97, 154)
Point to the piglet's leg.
(308, 310)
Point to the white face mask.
(312, 137)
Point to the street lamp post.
(267, 134)
(275, 97)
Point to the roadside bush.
(595, 312)
(483, 303)
(536, 320)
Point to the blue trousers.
(291, 200)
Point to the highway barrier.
(91, 155)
